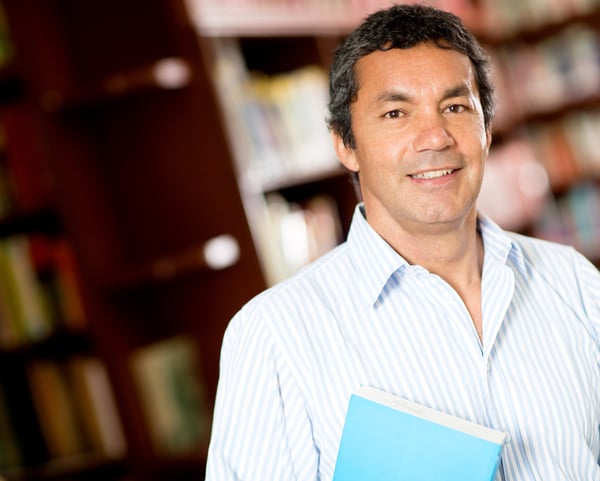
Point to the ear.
(345, 154)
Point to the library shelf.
(59, 344)
(217, 253)
(248, 22)
(169, 73)
(84, 467)
(11, 85)
(280, 19)
(543, 28)
(42, 220)
(293, 179)
(130, 157)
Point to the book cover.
(94, 399)
(56, 409)
(21, 290)
(168, 377)
(387, 438)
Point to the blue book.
(387, 438)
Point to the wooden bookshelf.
(226, 18)
(275, 20)
(548, 72)
(136, 174)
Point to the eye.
(456, 108)
(394, 114)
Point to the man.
(426, 299)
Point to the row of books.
(353, 10)
(294, 234)
(520, 190)
(73, 409)
(568, 147)
(544, 76)
(509, 16)
(573, 219)
(39, 289)
(491, 18)
(515, 185)
(339, 6)
(277, 123)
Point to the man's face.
(420, 139)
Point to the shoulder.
(548, 256)
(299, 300)
(286, 323)
(558, 263)
(564, 270)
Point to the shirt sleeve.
(261, 428)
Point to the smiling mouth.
(433, 174)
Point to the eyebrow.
(397, 96)
(458, 91)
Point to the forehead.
(423, 67)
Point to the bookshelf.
(548, 76)
(130, 165)
(114, 148)
(273, 92)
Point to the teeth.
(432, 174)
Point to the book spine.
(168, 378)
(56, 409)
(95, 402)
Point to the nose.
(431, 133)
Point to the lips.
(432, 174)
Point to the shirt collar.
(376, 261)
(500, 245)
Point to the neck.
(455, 254)
(458, 259)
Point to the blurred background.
(162, 161)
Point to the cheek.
(381, 146)
(375, 162)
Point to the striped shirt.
(361, 315)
